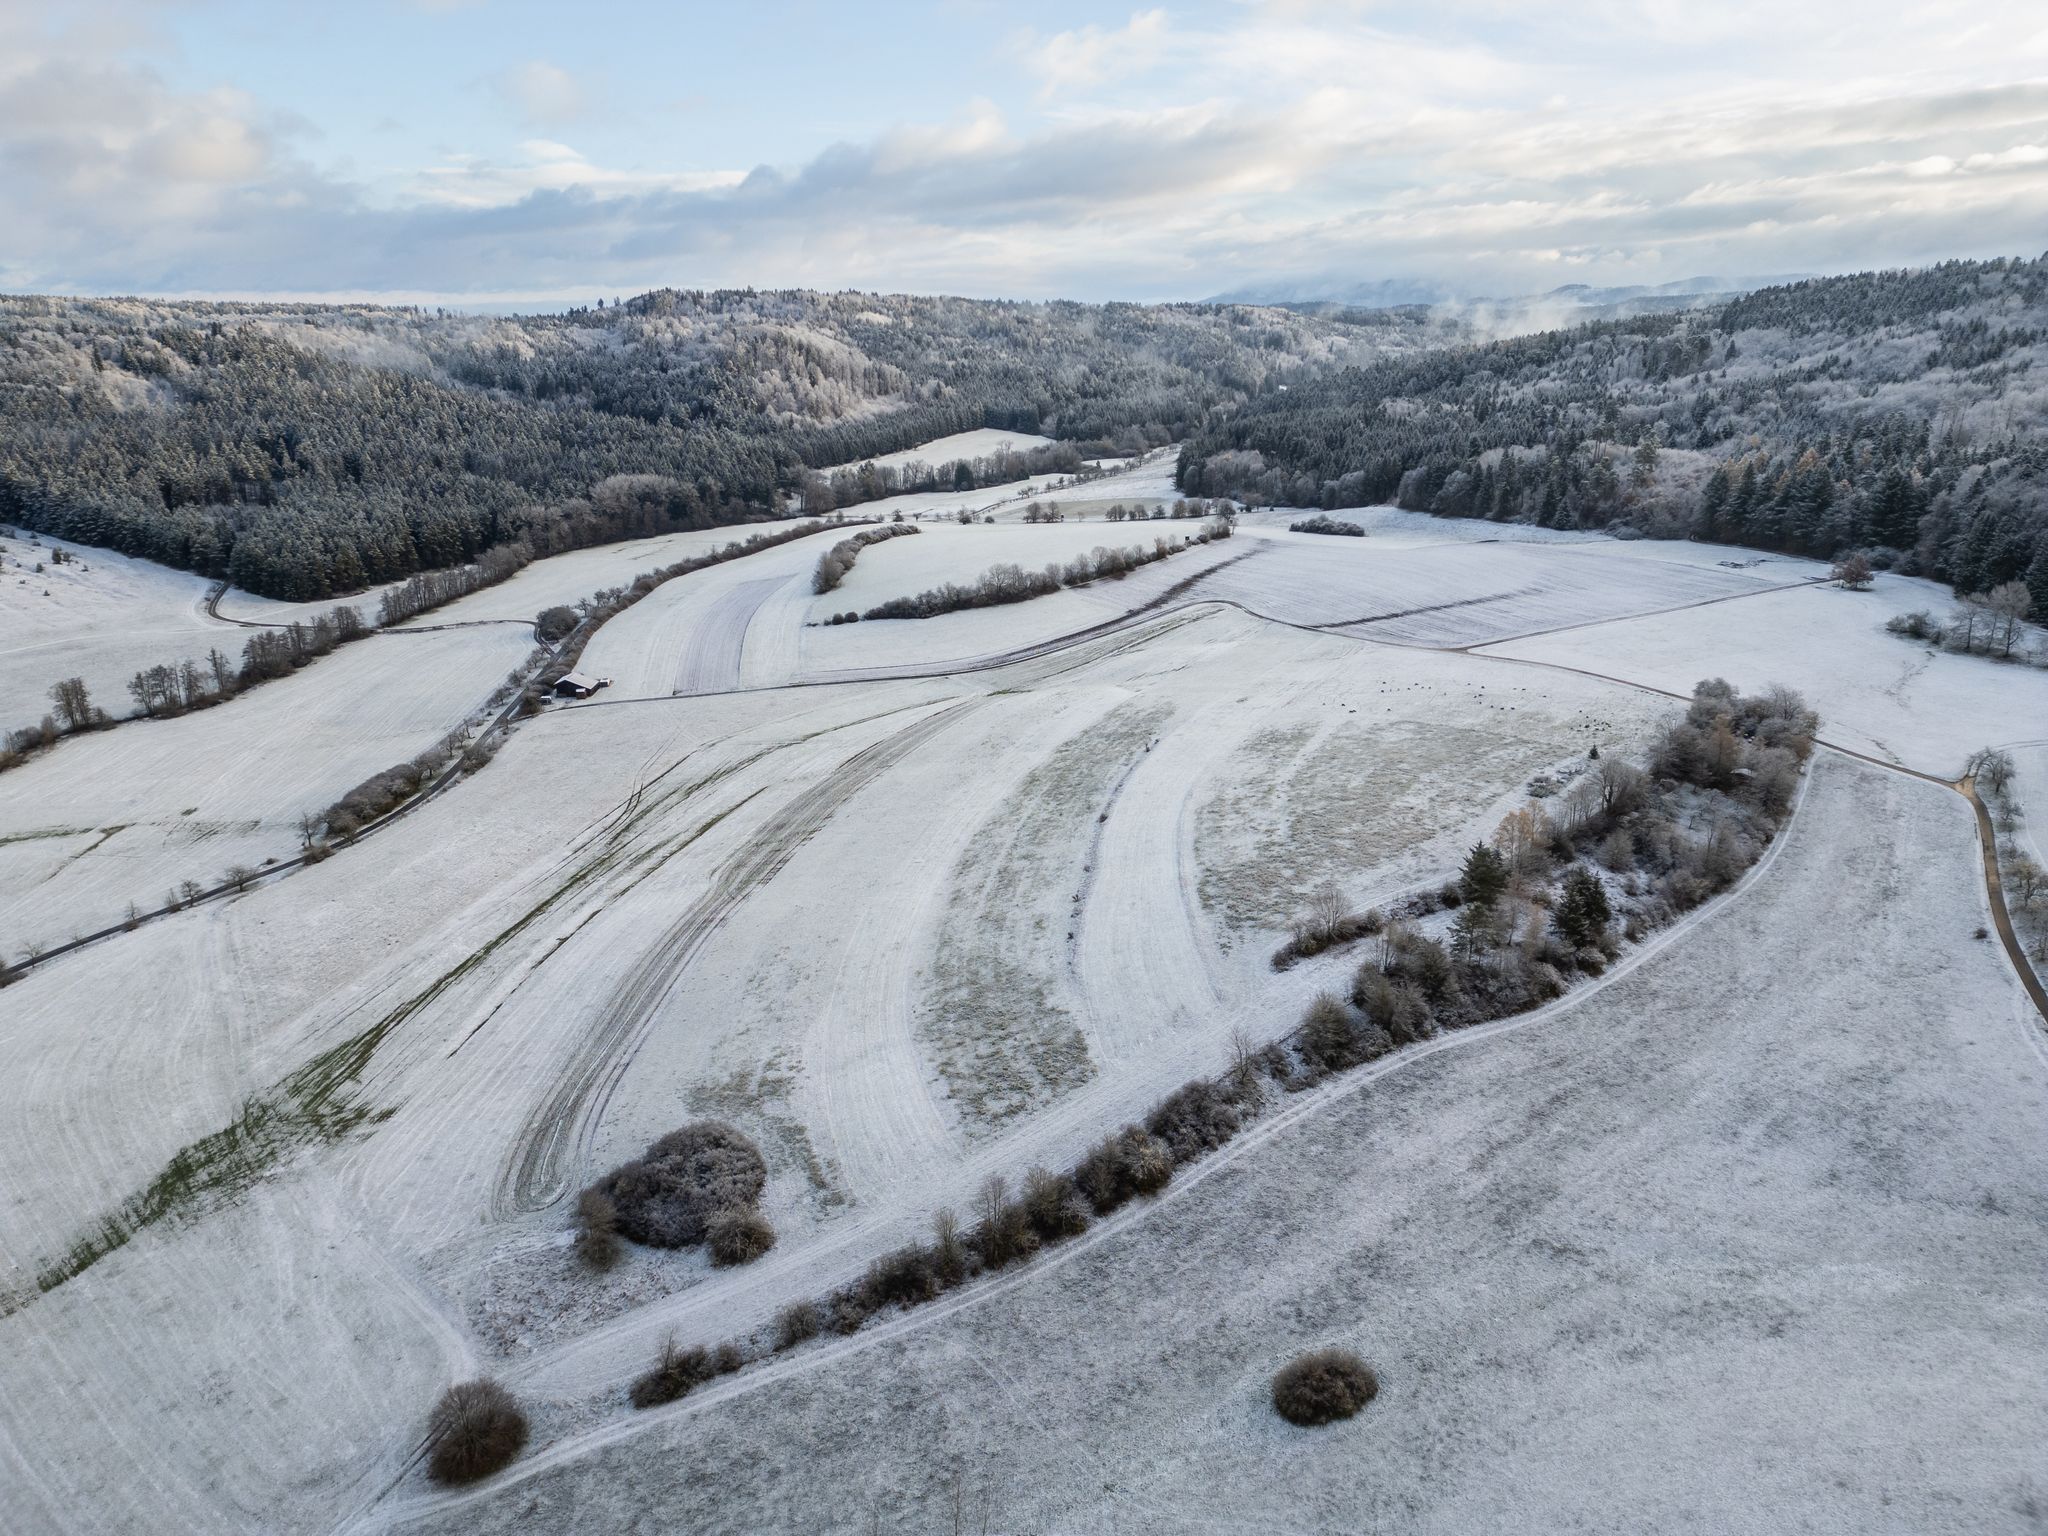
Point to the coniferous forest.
(1894, 412)
(305, 451)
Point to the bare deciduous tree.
(74, 704)
(2024, 879)
(1326, 908)
(1991, 769)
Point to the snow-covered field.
(1897, 700)
(102, 618)
(940, 451)
(1459, 592)
(912, 902)
(126, 815)
(1748, 1241)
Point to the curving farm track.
(557, 1133)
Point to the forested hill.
(304, 451)
(1897, 411)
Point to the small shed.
(580, 685)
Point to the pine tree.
(2037, 582)
(1582, 913)
(1484, 877)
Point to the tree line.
(1898, 413)
(1008, 582)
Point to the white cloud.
(542, 94)
(1470, 142)
(1089, 56)
(468, 181)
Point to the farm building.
(580, 685)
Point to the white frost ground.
(940, 451)
(127, 814)
(909, 932)
(103, 619)
(1892, 698)
(941, 552)
(823, 1041)
(1751, 1241)
(1458, 592)
(569, 578)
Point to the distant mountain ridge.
(1397, 293)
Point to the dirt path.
(2001, 919)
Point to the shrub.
(1322, 1387)
(795, 1323)
(1194, 1119)
(1129, 1162)
(949, 1253)
(1011, 583)
(674, 1374)
(739, 1236)
(1053, 1206)
(554, 623)
(597, 1229)
(667, 1198)
(1004, 1233)
(1918, 625)
(1427, 964)
(728, 1358)
(1322, 524)
(1397, 1011)
(1328, 1041)
(846, 1309)
(902, 1279)
(476, 1429)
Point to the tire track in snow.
(561, 1127)
(1077, 913)
(711, 664)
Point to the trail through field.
(561, 1126)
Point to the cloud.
(543, 94)
(469, 181)
(1088, 56)
(1464, 142)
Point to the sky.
(494, 152)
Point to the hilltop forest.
(1897, 412)
(304, 451)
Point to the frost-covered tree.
(1582, 910)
